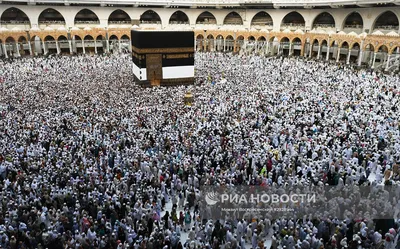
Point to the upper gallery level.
(372, 20)
(217, 3)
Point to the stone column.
(83, 47)
(119, 45)
(360, 57)
(373, 61)
(371, 55)
(319, 51)
(224, 45)
(5, 50)
(58, 48)
(44, 47)
(30, 48)
(311, 50)
(108, 46)
(327, 53)
(267, 47)
(17, 47)
(95, 46)
(279, 47)
(70, 47)
(348, 57)
(338, 55)
(387, 62)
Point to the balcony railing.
(52, 22)
(150, 22)
(353, 26)
(208, 22)
(119, 22)
(387, 27)
(87, 22)
(178, 22)
(15, 22)
(320, 25)
(261, 23)
(221, 2)
(292, 26)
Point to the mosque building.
(362, 33)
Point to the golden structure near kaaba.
(188, 99)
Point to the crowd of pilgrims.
(90, 160)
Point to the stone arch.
(10, 39)
(388, 20)
(323, 42)
(392, 49)
(382, 48)
(125, 37)
(353, 45)
(22, 39)
(62, 38)
(233, 18)
(86, 16)
(369, 47)
(113, 37)
(20, 46)
(261, 38)
(344, 44)
(297, 39)
(51, 16)
(229, 43)
(11, 44)
(209, 43)
(199, 42)
(100, 37)
(324, 20)
(14, 15)
(293, 18)
(88, 38)
(239, 42)
(272, 38)
(315, 42)
(296, 42)
(219, 40)
(262, 18)
(240, 37)
(251, 38)
(353, 20)
(63, 44)
(284, 39)
(33, 37)
(49, 38)
(119, 16)
(206, 18)
(179, 17)
(150, 16)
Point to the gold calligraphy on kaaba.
(162, 50)
(177, 56)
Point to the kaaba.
(163, 58)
